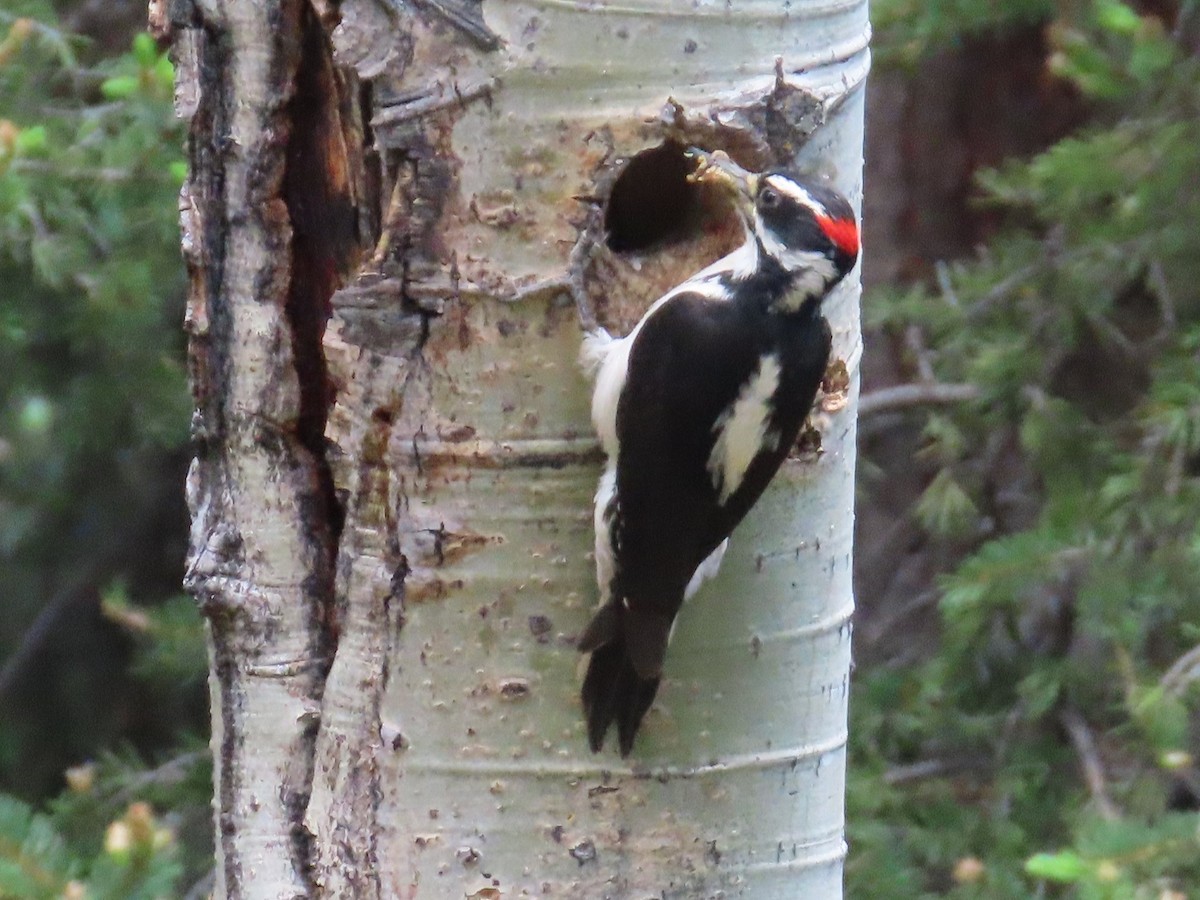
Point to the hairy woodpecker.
(696, 409)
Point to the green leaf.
(164, 72)
(1065, 867)
(31, 140)
(944, 507)
(1040, 691)
(1087, 65)
(119, 87)
(37, 415)
(34, 861)
(945, 441)
(145, 51)
(1162, 717)
(1150, 58)
(1117, 17)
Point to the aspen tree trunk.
(400, 217)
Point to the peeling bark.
(399, 217)
(263, 262)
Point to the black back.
(687, 366)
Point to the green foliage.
(945, 508)
(136, 861)
(906, 30)
(88, 235)
(107, 841)
(1060, 637)
(93, 403)
(170, 650)
(101, 837)
(179, 786)
(94, 407)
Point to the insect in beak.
(718, 169)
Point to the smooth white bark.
(736, 784)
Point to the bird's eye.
(768, 198)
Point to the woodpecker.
(696, 408)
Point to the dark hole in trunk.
(652, 202)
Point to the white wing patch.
(742, 429)
(706, 570)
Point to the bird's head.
(807, 229)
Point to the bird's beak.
(718, 169)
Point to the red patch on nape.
(843, 233)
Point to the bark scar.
(464, 15)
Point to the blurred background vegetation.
(102, 696)
(1024, 711)
(1024, 716)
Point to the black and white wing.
(697, 432)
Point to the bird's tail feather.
(613, 690)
